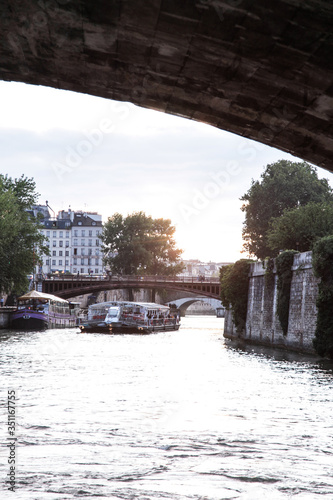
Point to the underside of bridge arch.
(259, 69)
(187, 304)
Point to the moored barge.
(37, 311)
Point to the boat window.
(113, 312)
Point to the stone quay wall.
(262, 323)
(5, 316)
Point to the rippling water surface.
(179, 415)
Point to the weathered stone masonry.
(259, 69)
(262, 323)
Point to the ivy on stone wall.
(322, 262)
(284, 262)
(234, 290)
(269, 272)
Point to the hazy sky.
(99, 155)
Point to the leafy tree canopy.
(284, 185)
(234, 280)
(299, 228)
(139, 244)
(22, 188)
(21, 243)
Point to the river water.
(176, 415)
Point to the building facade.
(73, 241)
(196, 269)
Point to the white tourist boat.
(37, 310)
(130, 317)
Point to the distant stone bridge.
(184, 303)
(73, 286)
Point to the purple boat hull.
(28, 319)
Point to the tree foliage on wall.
(283, 185)
(322, 261)
(269, 265)
(284, 262)
(301, 227)
(234, 280)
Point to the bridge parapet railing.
(78, 277)
(146, 278)
(159, 278)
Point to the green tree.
(21, 242)
(283, 185)
(139, 244)
(234, 280)
(23, 188)
(300, 227)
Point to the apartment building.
(73, 241)
(86, 244)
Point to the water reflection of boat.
(37, 310)
(130, 317)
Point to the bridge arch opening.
(184, 304)
(178, 169)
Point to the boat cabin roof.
(145, 305)
(33, 295)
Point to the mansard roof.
(57, 224)
(83, 219)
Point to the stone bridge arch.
(263, 70)
(183, 304)
(71, 287)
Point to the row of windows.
(66, 253)
(91, 251)
(88, 261)
(61, 262)
(83, 232)
(55, 233)
(54, 262)
(83, 242)
(61, 244)
(54, 253)
(75, 242)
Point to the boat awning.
(39, 295)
